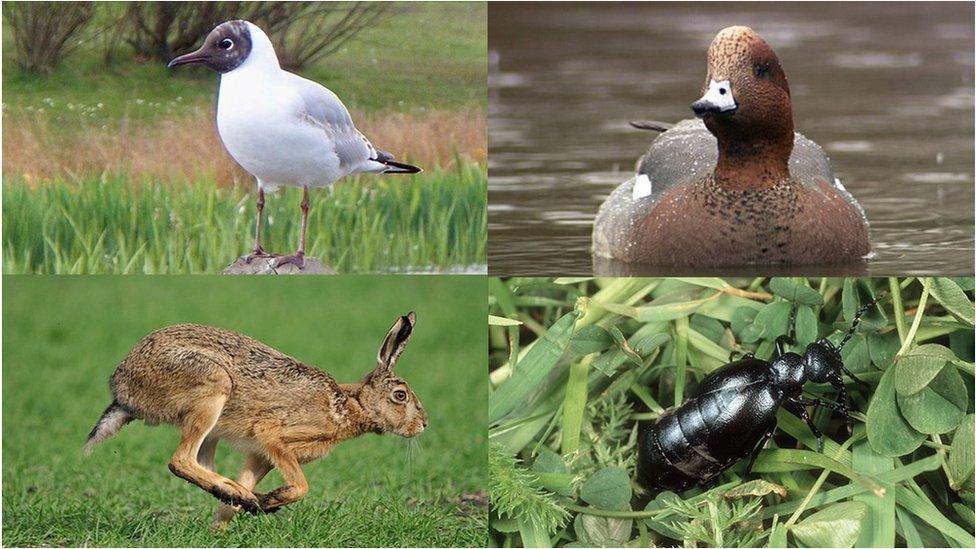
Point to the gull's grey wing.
(323, 108)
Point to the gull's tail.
(392, 166)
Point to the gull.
(281, 128)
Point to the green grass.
(64, 336)
(426, 55)
(433, 220)
(576, 364)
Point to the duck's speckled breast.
(677, 157)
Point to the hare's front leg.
(196, 425)
(254, 468)
(295, 486)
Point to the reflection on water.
(886, 89)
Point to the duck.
(736, 185)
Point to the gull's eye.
(400, 395)
(226, 44)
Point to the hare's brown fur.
(217, 384)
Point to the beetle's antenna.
(857, 318)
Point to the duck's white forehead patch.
(642, 186)
(720, 95)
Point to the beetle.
(734, 412)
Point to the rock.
(265, 266)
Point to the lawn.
(65, 336)
(577, 364)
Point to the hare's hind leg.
(254, 468)
(207, 453)
(295, 486)
(195, 426)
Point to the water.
(886, 89)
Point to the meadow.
(65, 336)
(417, 90)
(576, 364)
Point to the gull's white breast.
(259, 119)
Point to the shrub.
(46, 32)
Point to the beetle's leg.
(856, 379)
(743, 356)
(845, 402)
(789, 339)
(797, 407)
(759, 446)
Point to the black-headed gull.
(282, 128)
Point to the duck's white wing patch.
(642, 186)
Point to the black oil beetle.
(734, 413)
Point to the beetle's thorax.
(788, 373)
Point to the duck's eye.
(400, 395)
(226, 44)
(721, 91)
(760, 71)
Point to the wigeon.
(737, 186)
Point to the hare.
(217, 384)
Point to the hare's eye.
(400, 395)
(226, 43)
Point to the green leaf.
(742, 318)
(802, 294)
(623, 346)
(594, 531)
(755, 488)
(502, 321)
(533, 535)
(882, 348)
(888, 432)
(655, 313)
(938, 407)
(960, 462)
(553, 473)
(532, 369)
(590, 339)
(925, 510)
(854, 296)
(967, 283)
(806, 326)
(878, 526)
(954, 299)
(708, 327)
(919, 366)
(752, 333)
(608, 488)
(777, 536)
(856, 354)
(837, 525)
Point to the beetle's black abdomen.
(693, 443)
(653, 469)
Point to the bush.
(302, 32)
(46, 32)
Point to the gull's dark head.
(225, 49)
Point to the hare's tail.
(113, 418)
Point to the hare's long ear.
(396, 340)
